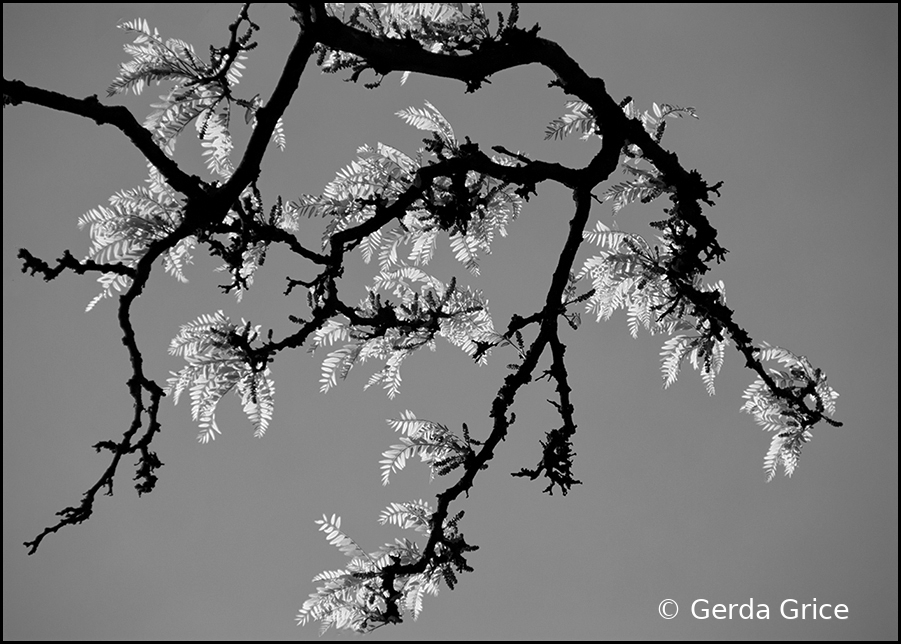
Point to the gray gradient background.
(799, 118)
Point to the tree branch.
(118, 116)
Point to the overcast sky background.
(799, 119)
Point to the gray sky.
(799, 116)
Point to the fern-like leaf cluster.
(774, 414)
(201, 92)
(355, 597)
(214, 348)
(435, 444)
(424, 306)
(121, 233)
(392, 332)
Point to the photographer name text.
(788, 609)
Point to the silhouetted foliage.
(395, 208)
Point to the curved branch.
(116, 115)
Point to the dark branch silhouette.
(234, 208)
